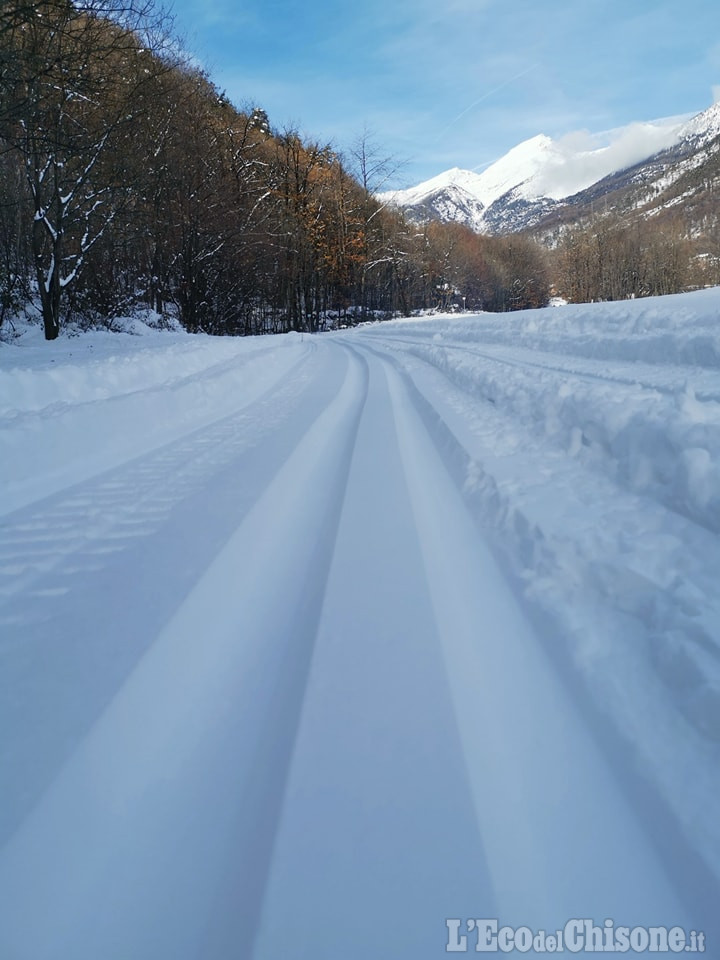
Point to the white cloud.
(580, 159)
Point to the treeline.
(128, 179)
(612, 259)
(482, 272)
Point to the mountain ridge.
(541, 177)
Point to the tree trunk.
(48, 281)
(50, 300)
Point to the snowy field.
(309, 644)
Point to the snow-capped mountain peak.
(705, 125)
(519, 187)
(518, 166)
(465, 179)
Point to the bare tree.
(80, 77)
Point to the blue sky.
(443, 83)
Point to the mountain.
(454, 196)
(682, 180)
(541, 179)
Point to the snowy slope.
(300, 636)
(702, 128)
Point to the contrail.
(485, 96)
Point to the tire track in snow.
(659, 831)
(39, 538)
(119, 539)
(42, 455)
(377, 821)
(215, 370)
(177, 788)
(440, 768)
(548, 801)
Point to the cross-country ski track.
(297, 679)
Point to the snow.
(519, 165)
(311, 643)
(74, 420)
(705, 126)
(558, 169)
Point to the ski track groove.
(215, 370)
(198, 399)
(97, 818)
(351, 737)
(514, 869)
(140, 494)
(697, 887)
(91, 528)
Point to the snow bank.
(647, 413)
(66, 406)
(680, 329)
(35, 375)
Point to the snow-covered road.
(309, 644)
